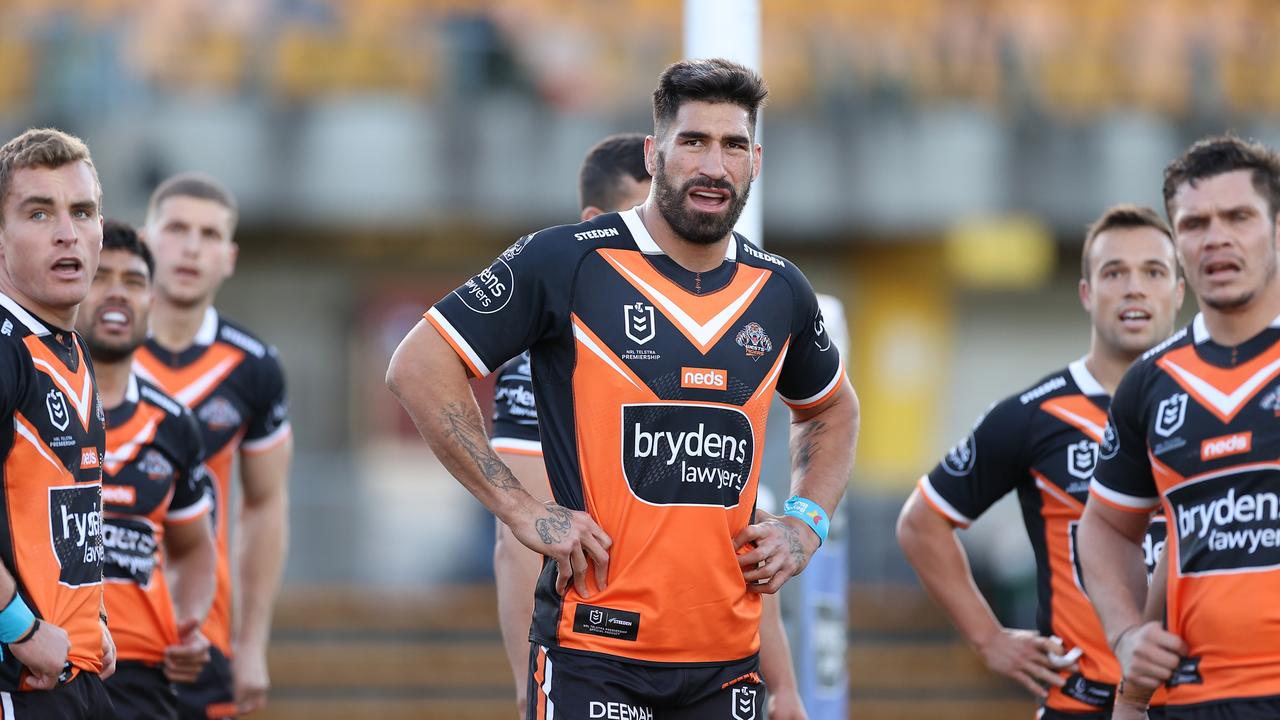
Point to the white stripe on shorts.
(546, 684)
(6, 703)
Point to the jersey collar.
(35, 326)
(1200, 331)
(208, 332)
(131, 391)
(1084, 379)
(645, 241)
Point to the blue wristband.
(15, 620)
(811, 513)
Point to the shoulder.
(1184, 336)
(568, 243)
(153, 395)
(750, 255)
(237, 335)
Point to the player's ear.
(651, 155)
(233, 253)
(1086, 295)
(590, 211)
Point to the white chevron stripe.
(201, 385)
(118, 456)
(80, 400)
(702, 333)
(25, 432)
(1225, 404)
(594, 348)
(1095, 430)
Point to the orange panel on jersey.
(1221, 391)
(703, 319)
(1079, 412)
(192, 383)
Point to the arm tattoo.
(795, 548)
(555, 526)
(465, 428)
(803, 445)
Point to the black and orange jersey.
(234, 384)
(153, 476)
(1043, 444)
(515, 412)
(653, 384)
(1193, 430)
(51, 514)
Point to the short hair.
(41, 148)
(118, 235)
(1220, 154)
(713, 80)
(606, 164)
(194, 185)
(1122, 217)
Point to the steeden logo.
(1225, 445)
(704, 378)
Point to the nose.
(712, 164)
(65, 233)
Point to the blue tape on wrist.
(811, 513)
(15, 620)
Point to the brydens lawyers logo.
(1225, 445)
(754, 340)
(57, 406)
(704, 378)
(638, 322)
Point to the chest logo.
(155, 466)
(1081, 459)
(56, 403)
(754, 340)
(639, 323)
(1170, 414)
(219, 414)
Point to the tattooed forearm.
(463, 425)
(804, 444)
(555, 526)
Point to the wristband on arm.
(17, 622)
(811, 513)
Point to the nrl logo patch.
(1170, 414)
(638, 322)
(1081, 459)
(754, 340)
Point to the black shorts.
(83, 698)
(1260, 709)
(142, 692)
(573, 686)
(212, 695)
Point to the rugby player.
(1191, 431)
(613, 178)
(156, 504)
(1042, 442)
(234, 384)
(54, 644)
(658, 337)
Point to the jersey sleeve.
(508, 306)
(515, 415)
(269, 424)
(812, 370)
(192, 491)
(1123, 478)
(982, 468)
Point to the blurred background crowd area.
(930, 163)
(1072, 58)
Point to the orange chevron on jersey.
(1222, 391)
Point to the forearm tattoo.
(555, 526)
(464, 427)
(804, 444)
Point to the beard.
(112, 352)
(697, 227)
